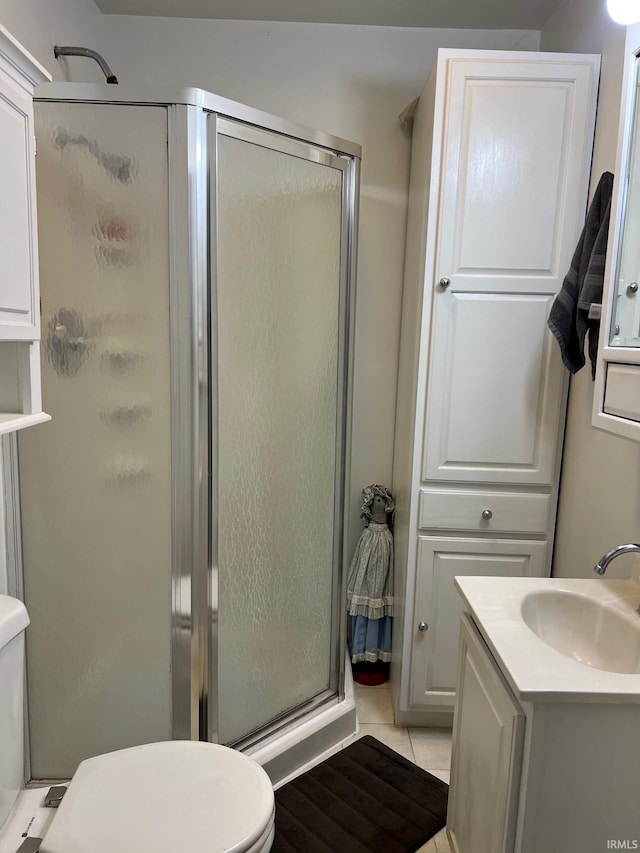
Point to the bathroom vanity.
(546, 753)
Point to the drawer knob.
(422, 626)
(486, 515)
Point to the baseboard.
(430, 719)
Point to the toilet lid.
(163, 797)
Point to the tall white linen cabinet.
(500, 168)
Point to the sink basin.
(588, 631)
(560, 639)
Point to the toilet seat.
(165, 797)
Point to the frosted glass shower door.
(96, 483)
(276, 302)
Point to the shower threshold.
(308, 739)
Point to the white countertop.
(534, 670)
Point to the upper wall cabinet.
(19, 311)
(20, 398)
(616, 402)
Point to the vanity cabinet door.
(488, 735)
(439, 607)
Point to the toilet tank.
(13, 621)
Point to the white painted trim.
(11, 421)
(21, 60)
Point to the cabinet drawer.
(504, 512)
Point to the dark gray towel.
(569, 318)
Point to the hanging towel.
(569, 318)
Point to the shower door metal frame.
(194, 577)
(190, 435)
(348, 165)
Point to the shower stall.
(182, 515)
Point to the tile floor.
(428, 748)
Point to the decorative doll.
(370, 588)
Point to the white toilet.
(162, 797)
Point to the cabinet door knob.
(486, 514)
(444, 283)
(422, 626)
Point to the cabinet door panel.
(622, 391)
(488, 735)
(495, 390)
(514, 191)
(516, 145)
(526, 222)
(435, 651)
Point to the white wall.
(600, 485)
(39, 24)
(351, 81)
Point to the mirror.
(625, 323)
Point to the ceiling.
(469, 14)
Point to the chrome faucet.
(601, 566)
